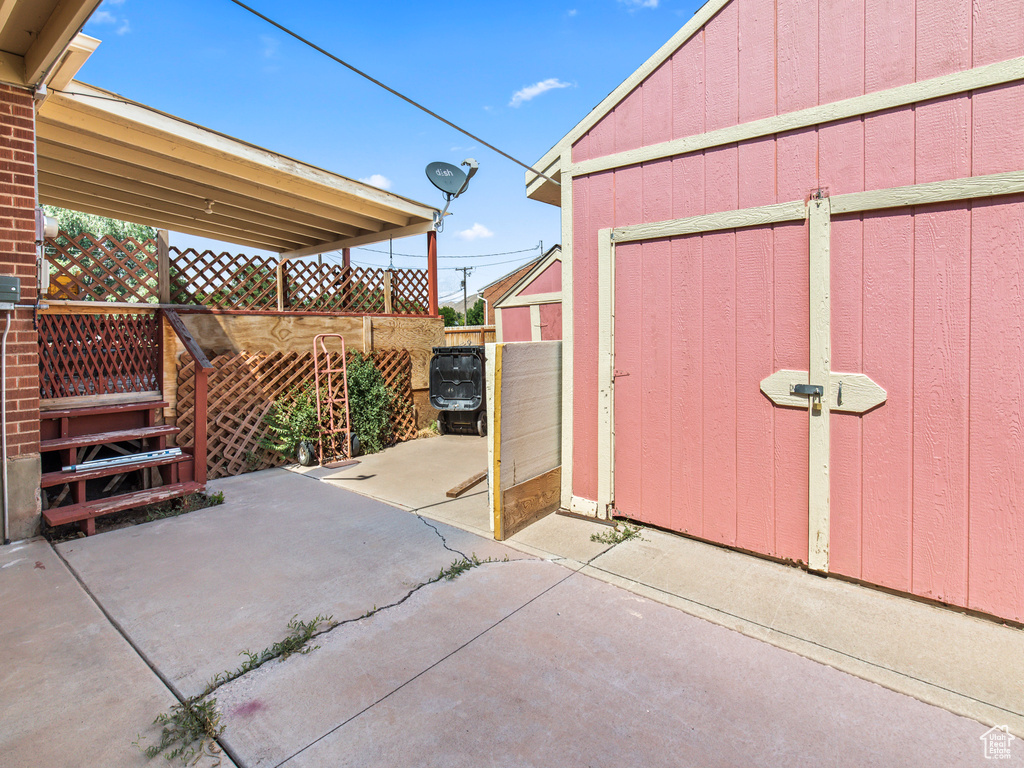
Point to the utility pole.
(465, 309)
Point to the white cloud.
(571, 12)
(377, 180)
(270, 46)
(634, 4)
(114, 2)
(476, 232)
(535, 90)
(103, 17)
(125, 27)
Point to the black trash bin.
(458, 389)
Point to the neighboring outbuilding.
(793, 243)
(498, 288)
(531, 310)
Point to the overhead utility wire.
(420, 255)
(387, 88)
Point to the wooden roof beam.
(72, 143)
(64, 23)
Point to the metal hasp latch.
(815, 391)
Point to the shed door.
(699, 322)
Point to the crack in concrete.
(444, 541)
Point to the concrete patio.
(556, 650)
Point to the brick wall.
(494, 292)
(18, 257)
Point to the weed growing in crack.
(190, 729)
(620, 533)
(299, 633)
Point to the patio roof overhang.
(101, 153)
(34, 35)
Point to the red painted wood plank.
(889, 37)
(594, 206)
(998, 30)
(63, 413)
(889, 149)
(548, 281)
(841, 46)
(51, 479)
(721, 179)
(756, 160)
(755, 512)
(756, 60)
(797, 161)
(689, 92)
(515, 324)
(797, 56)
(551, 321)
(102, 438)
(846, 449)
(942, 302)
(998, 137)
(687, 362)
(628, 388)
(657, 190)
(791, 310)
(93, 509)
(943, 140)
(888, 356)
(943, 37)
(997, 422)
(657, 108)
(719, 387)
(656, 386)
(688, 186)
(721, 69)
(841, 157)
(629, 116)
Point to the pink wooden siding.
(551, 322)
(515, 324)
(926, 489)
(548, 281)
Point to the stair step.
(102, 438)
(90, 509)
(59, 413)
(51, 479)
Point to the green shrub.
(292, 420)
(370, 404)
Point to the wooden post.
(387, 293)
(282, 287)
(199, 442)
(163, 260)
(432, 308)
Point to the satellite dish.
(448, 178)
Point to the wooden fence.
(467, 335)
(242, 389)
(98, 354)
(86, 267)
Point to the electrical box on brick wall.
(10, 289)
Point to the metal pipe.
(118, 461)
(3, 421)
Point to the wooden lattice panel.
(223, 280)
(333, 288)
(242, 388)
(98, 354)
(87, 267)
(409, 291)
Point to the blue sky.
(520, 75)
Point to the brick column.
(18, 257)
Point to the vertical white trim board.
(567, 342)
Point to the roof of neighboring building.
(515, 271)
(554, 254)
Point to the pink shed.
(831, 190)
